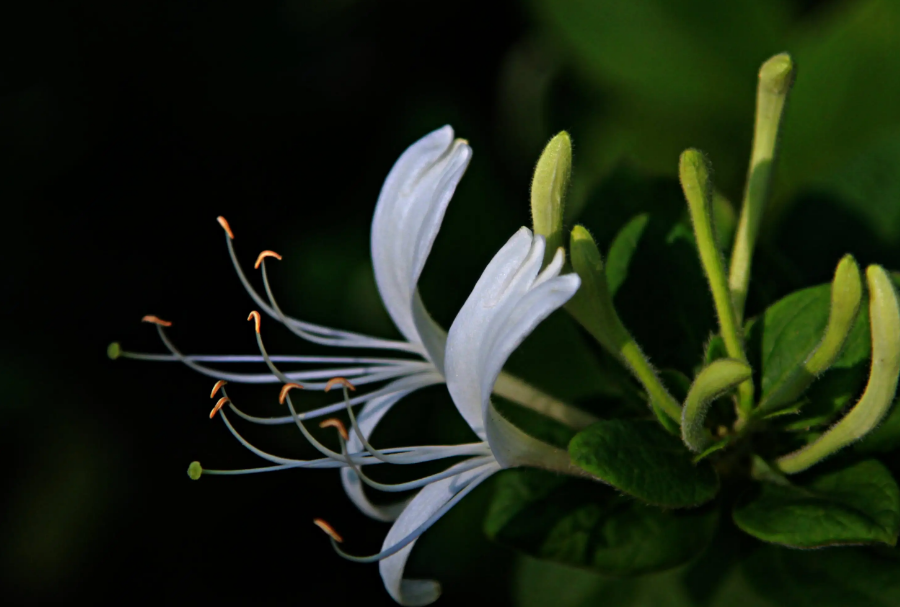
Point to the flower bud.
(548, 189)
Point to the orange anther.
(333, 422)
(339, 380)
(218, 406)
(285, 389)
(255, 316)
(328, 529)
(263, 255)
(156, 321)
(225, 225)
(218, 385)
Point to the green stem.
(775, 79)
(514, 389)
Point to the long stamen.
(414, 535)
(276, 459)
(357, 430)
(156, 321)
(306, 434)
(321, 524)
(218, 406)
(338, 425)
(116, 348)
(263, 255)
(414, 454)
(360, 341)
(388, 372)
(398, 487)
(225, 225)
(215, 389)
(285, 389)
(398, 388)
(311, 332)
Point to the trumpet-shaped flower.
(407, 218)
(511, 298)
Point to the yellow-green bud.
(548, 190)
(846, 295)
(884, 320)
(714, 380)
(777, 74)
(114, 350)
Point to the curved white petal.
(424, 509)
(510, 299)
(368, 417)
(407, 218)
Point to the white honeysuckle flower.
(407, 218)
(510, 299)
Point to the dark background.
(125, 129)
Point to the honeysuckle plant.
(778, 425)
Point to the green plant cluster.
(778, 427)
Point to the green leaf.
(715, 579)
(840, 577)
(540, 583)
(585, 524)
(853, 505)
(622, 250)
(782, 338)
(640, 458)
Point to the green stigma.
(195, 470)
(114, 350)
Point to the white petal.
(421, 510)
(407, 218)
(507, 303)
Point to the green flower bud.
(884, 320)
(713, 381)
(775, 79)
(114, 350)
(846, 294)
(548, 189)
